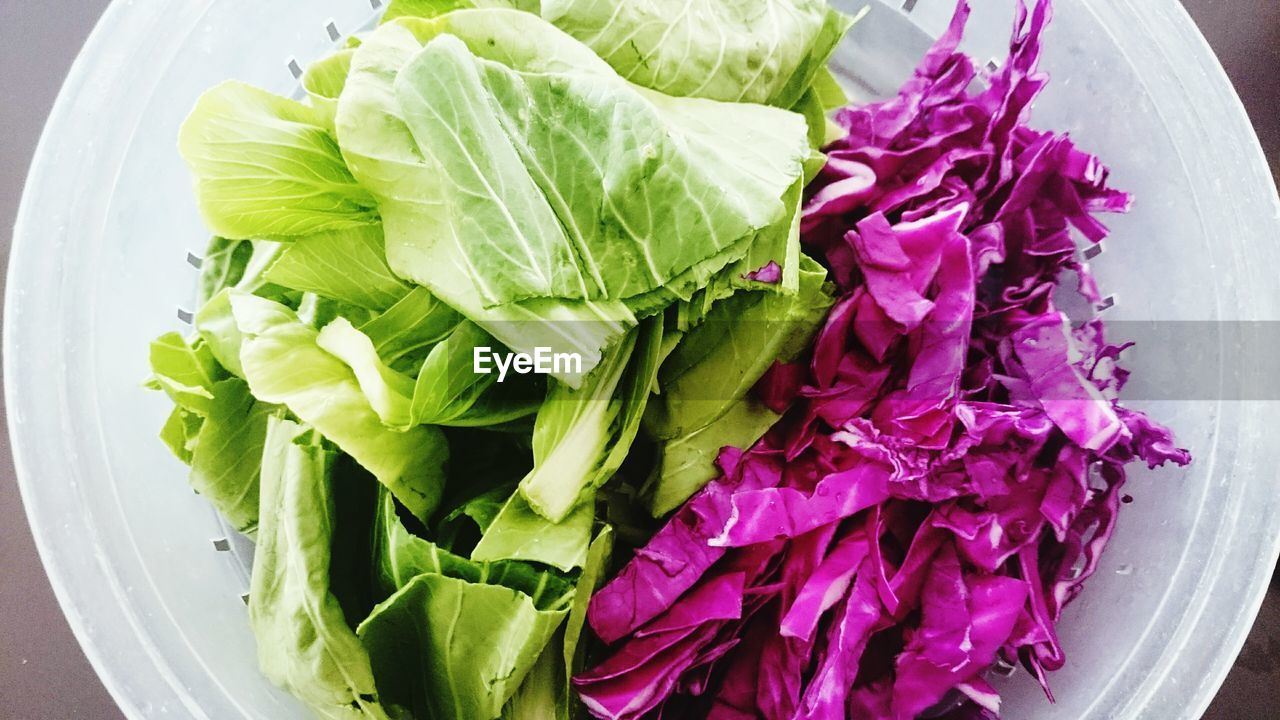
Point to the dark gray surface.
(1246, 36)
(43, 673)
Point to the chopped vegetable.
(304, 642)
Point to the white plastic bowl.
(98, 270)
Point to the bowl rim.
(105, 630)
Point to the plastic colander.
(152, 584)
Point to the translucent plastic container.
(99, 268)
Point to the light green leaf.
(816, 104)
(349, 266)
(519, 533)
(403, 556)
(482, 509)
(448, 649)
(324, 80)
(573, 435)
(815, 115)
(185, 370)
(318, 311)
(224, 264)
(428, 9)
(722, 358)
(448, 387)
(267, 167)
(633, 393)
(705, 403)
(243, 264)
(180, 432)
(447, 392)
(228, 454)
(254, 279)
(389, 393)
(405, 333)
(572, 204)
(757, 51)
(304, 643)
(284, 364)
(217, 327)
(544, 692)
(593, 576)
(685, 286)
(780, 244)
(425, 9)
(387, 158)
(835, 26)
(501, 408)
(828, 90)
(687, 463)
